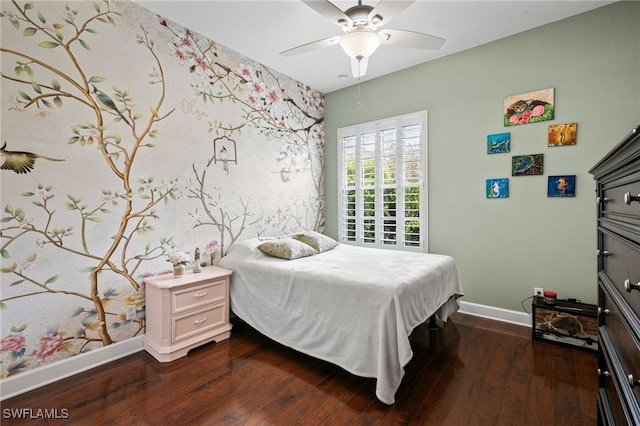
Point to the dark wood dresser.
(618, 198)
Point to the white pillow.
(287, 248)
(316, 240)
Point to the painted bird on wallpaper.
(224, 157)
(106, 102)
(20, 161)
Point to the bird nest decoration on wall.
(224, 151)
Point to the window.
(382, 168)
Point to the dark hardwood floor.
(472, 372)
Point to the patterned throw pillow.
(316, 240)
(287, 248)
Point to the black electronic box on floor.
(567, 323)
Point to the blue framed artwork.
(499, 143)
(527, 165)
(561, 186)
(497, 188)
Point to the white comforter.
(354, 307)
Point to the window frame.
(354, 134)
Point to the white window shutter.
(382, 170)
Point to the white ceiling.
(261, 29)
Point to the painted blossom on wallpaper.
(291, 117)
(120, 131)
(129, 136)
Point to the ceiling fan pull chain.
(359, 79)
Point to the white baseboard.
(33, 379)
(498, 314)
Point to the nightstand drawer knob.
(628, 285)
(633, 382)
(601, 200)
(603, 373)
(200, 321)
(628, 198)
(603, 253)
(603, 311)
(200, 295)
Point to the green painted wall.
(505, 247)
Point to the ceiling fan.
(360, 38)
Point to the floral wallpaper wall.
(124, 137)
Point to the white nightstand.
(186, 312)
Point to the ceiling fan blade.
(312, 46)
(412, 39)
(389, 9)
(359, 67)
(330, 11)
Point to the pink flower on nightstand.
(211, 247)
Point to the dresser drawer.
(198, 322)
(626, 344)
(614, 410)
(197, 296)
(620, 262)
(619, 200)
(618, 190)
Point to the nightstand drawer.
(198, 296)
(199, 322)
(186, 312)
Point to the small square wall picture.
(527, 165)
(561, 186)
(497, 188)
(563, 134)
(498, 143)
(531, 107)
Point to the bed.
(352, 306)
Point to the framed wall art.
(499, 143)
(497, 188)
(561, 186)
(527, 165)
(532, 107)
(563, 134)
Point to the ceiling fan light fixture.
(360, 43)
